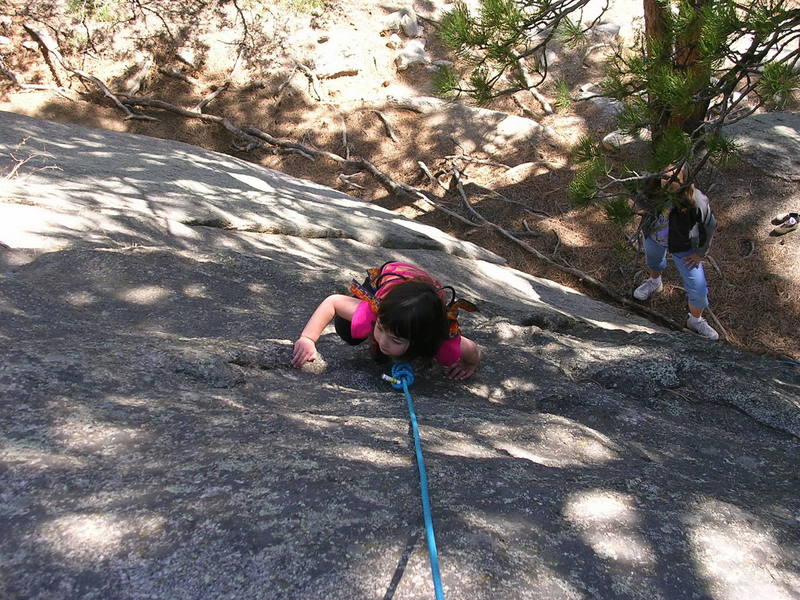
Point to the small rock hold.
(413, 53)
(605, 31)
(187, 57)
(405, 20)
(394, 42)
(317, 366)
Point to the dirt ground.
(753, 277)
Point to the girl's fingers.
(460, 371)
(301, 354)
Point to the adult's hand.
(692, 260)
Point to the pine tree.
(699, 65)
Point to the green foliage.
(673, 146)
(587, 150)
(667, 82)
(563, 99)
(777, 83)
(618, 210)
(481, 87)
(635, 115)
(445, 82)
(583, 187)
(761, 17)
(626, 73)
(303, 6)
(100, 10)
(502, 17)
(457, 32)
(724, 151)
(570, 33)
(671, 88)
(719, 22)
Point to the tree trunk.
(698, 73)
(680, 50)
(658, 46)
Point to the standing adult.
(679, 221)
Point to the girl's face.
(390, 344)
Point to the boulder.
(157, 444)
(478, 129)
(608, 107)
(771, 142)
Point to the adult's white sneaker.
(701, 327)
(648, 289)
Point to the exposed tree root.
(386, 124)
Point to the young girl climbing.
(684, 226)
(404, 313)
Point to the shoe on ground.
(783, 217)
(788, 224)
(648, 289)
(702, 328)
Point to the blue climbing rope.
(402, 377)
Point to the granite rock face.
(155, 443)
(771, 142)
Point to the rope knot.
(402, 373)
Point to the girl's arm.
(465, 366)
(305, 349)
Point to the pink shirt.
(363, 323)
(364, 318)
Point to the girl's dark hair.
(413, 310)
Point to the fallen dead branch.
(427, 172)
(20, 162)
(346, 180)
(286, 83)
(481, 161)
(177, 74)
(345, 145)
(720, 328)
(254, 136)
(495, 194)
(49, 48)
(260, 139)
(211, 97)
(6, 70)
(527, 112)
(558, 242)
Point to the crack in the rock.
(273, 229)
